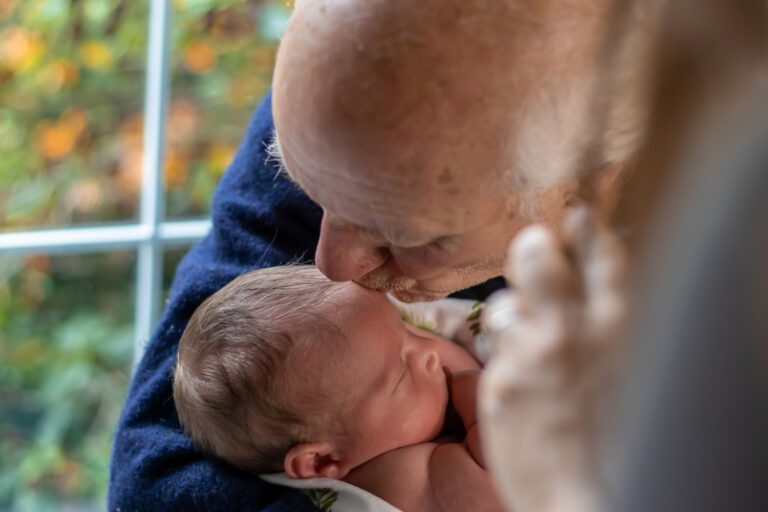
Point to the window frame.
(152, 234)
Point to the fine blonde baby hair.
(230, 380)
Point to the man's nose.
(343, 254)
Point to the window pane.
(66, 343)
(71, 96)
(223, 58)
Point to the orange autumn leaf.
(6, 8)
(132, 131)
(56, 139)
(184, 119)
(75, 119)
(129, 172)
(64, 72)
(176, 165)
(130, 162)
(58, 74)
(20, 48)
(199, 57)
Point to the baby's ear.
(312, 460)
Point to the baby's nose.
(431, 361)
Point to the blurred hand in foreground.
(555, 337)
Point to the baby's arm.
(428, 477)
(464, 399)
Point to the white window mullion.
(101, 238)
(73, 240)
(152, 208)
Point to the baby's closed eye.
(401, 376)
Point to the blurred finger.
(539, 269)
(600, 258)
(501, 323)
(598, 254)
(501, 311)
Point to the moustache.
(379, 280)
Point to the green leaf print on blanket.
(417, 321)
(475, 318)
(323, 498)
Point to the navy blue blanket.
(259, 220)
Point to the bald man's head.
(428, 118)
(437, 78)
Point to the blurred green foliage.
(66, 343)
(71, 100)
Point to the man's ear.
(311, 460)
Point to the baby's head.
(283, 369)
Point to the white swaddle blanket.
(455, 319)
(331, 495)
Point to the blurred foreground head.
(693, 430)
(431, 132)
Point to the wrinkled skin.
(555, 346)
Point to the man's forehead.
(405, 212)
(300, 162)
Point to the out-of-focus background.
(72, 109)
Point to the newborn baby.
(284, 370)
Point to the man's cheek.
(419, 271)
(425, 265)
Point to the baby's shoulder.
(401, 476)
(421, 476)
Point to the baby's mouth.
(446, 383)
(452, 424)
(447, 374)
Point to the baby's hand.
(464, 399)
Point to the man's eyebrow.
(275, 156)
(394, 236)
(397, 237)
(400, 237)
(403, 239)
